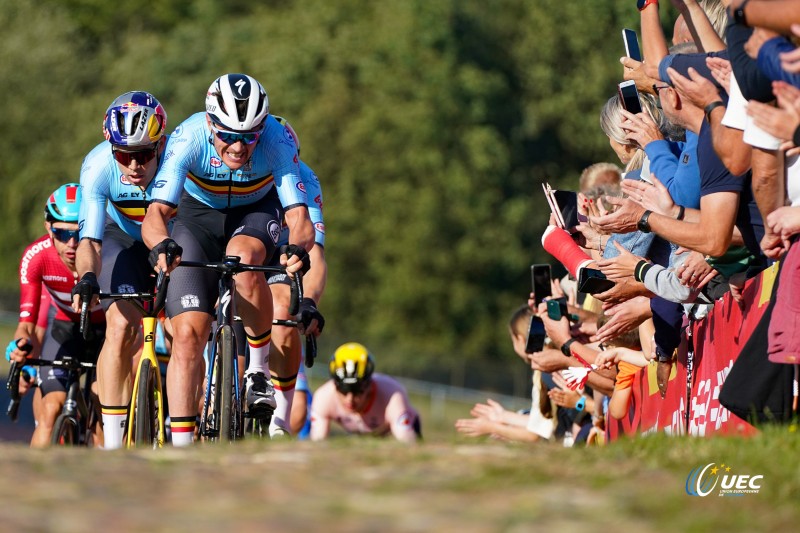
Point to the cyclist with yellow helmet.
(362, 401)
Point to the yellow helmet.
(351, 367)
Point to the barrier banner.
(718, 339)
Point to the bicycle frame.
(149, 354)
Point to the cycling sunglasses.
(141, 156)
(232, 137)
(64, 235)
(357, 389)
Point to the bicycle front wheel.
(65, 431)
(145, 418)
(230, 409)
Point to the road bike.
(223, 415)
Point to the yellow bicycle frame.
(148, 353)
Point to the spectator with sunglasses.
(361, 401)
(234, 171)
(117, 184)
(49, 262)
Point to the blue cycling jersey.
(313, 191)
(105, 190)
(190, 153)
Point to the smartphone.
(629, 96)
(593, 281)
(631, 44)
(557, 308)
(536, 335)
(540, 281)
(568, 205)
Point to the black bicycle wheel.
(65, 431)
(230, 410)
(145, 417)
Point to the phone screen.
(630, 97)
(568, 205)
(536, 336)
(540, 278)
(631, 44)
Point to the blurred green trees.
(430, 123)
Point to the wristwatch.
(580, 404)
(565, 347)
(737, 14)
(641, 4)
(711, 107)
(681, 213)
(643, 225)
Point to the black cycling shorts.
(125, 265)
(203, 233)
(64, 338)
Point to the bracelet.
(641, 4)
(565, 347)
(796, 136)
(681, 213)
(711, 107)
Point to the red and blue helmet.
(64, 205)
(135, 119)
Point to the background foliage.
(431, 124)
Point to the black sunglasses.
(141, 156)
(64, 235)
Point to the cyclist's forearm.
(88, 257)
(301, 231)
(154, 226)
(315, 279)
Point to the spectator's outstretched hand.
(781, 121)
(624, 317)
(695, 272)
(784, 221)
(721, 70)
(643, 74)
(491, 410)
(624, 290)
(640, 128)
(790, 61)
(623, 220)
(654, 197)
(474, 427)
(619, 267)
(696, 89)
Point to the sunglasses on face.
(357, 389)
(232, 137)
(141, 156)
(64, 235)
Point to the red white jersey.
(40, 267)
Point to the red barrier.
(718, 340)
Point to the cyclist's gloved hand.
(14, 345)
(308, 312)
(168, 247)
(86, 287)
(294, 250)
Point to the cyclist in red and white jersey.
(361, 401)
(49, 262)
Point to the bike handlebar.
(311, 340)
(14, 372)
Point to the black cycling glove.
(292, 250)
(86, 287)
(168, 247)
(308, 312)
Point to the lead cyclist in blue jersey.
(117, 185)
(234, 171)
(286, 353)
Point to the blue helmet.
(64, 204)
(135, 119)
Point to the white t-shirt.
(537, 423)
(736, 117)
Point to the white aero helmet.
(237, 102)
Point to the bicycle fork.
(148, 353)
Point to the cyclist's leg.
(52, 382)
(190, 302)
(254, 231)
(285, 358)
(125, 269)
